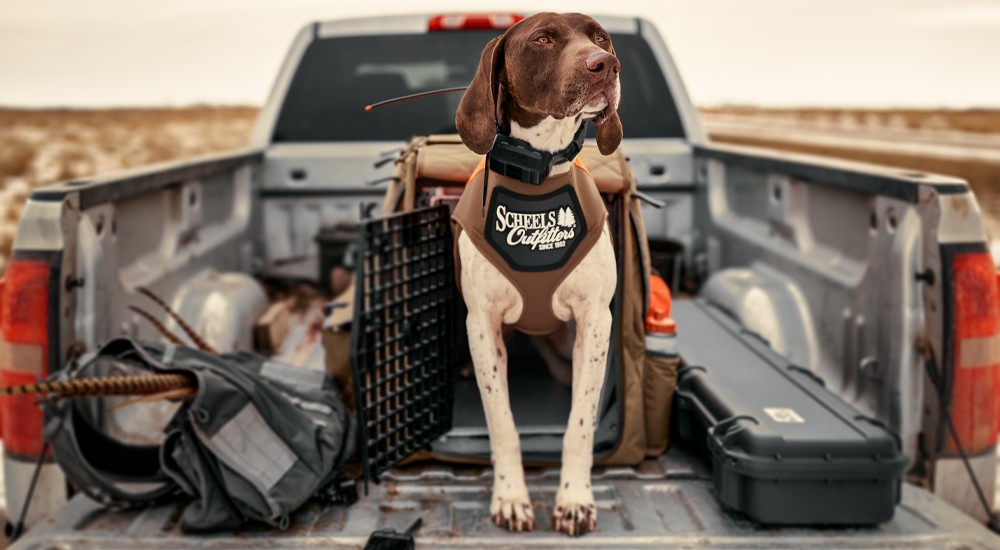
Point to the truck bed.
(663, 503)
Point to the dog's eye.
(543, 40)
(600, 38)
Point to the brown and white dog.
(555, 71)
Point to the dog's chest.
(532, 228)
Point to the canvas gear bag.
(257, 440)
(434, 169)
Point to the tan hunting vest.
(534, 234)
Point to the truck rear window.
(337, 77)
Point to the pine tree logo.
(566, 218)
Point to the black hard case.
(821, 463)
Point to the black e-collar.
(517, 159)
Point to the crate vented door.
(405, 336)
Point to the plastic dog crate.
(405, 338)
(784, 449)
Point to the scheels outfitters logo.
(535, 232)
(547, 230)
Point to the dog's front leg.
(511, 505)
(575, 513)
(585, 295)
(493, 300)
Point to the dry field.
(975, 121)
(39, 147)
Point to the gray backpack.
(257, 440)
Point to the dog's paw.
(574, 514)
(513, 512)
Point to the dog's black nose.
(601, 62)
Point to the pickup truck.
(857, 273)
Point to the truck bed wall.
(819, 257)
(164, 228)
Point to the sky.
(877, 53)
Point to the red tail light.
(473, 21)
(2, 283)
(24, 317)
(975, 396)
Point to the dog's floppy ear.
(477, 111)
(609, 131)
(609, 134)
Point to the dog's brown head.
(558, 65)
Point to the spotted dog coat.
(549, 73)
